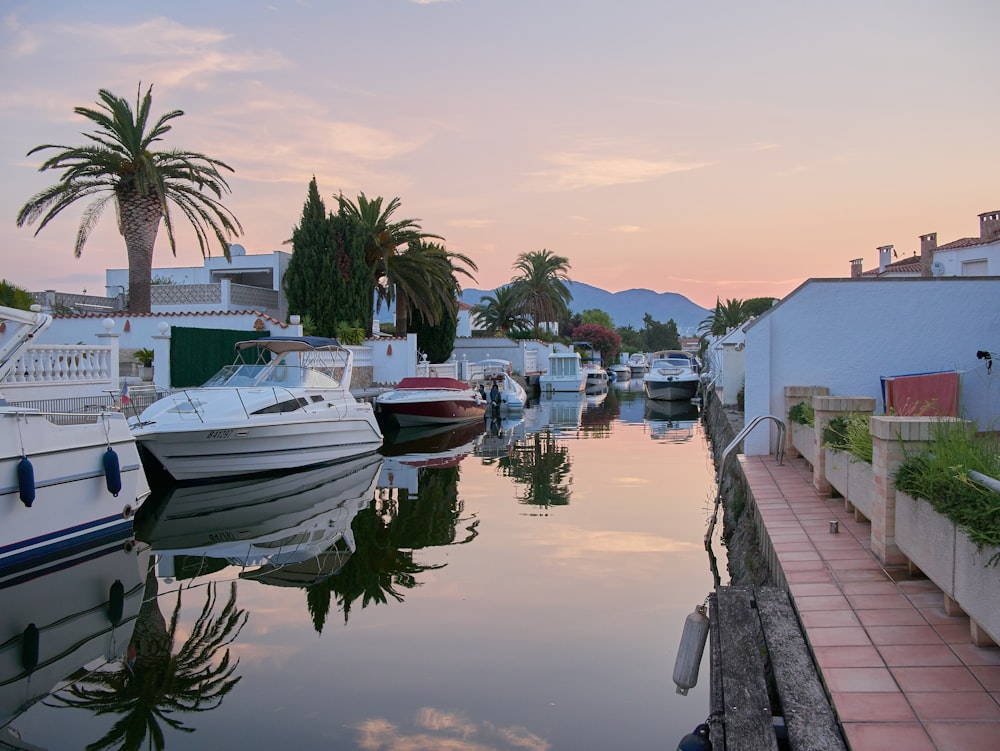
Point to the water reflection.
(74, 617)
(291, 529)
(157, 686)
(671, 421)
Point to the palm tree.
(385, 238)
(501, 313)
(724, 317)
(424, 278)
(541, 287)
(119, 164)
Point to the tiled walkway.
(901, 672)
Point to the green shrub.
(350, 333)
(802, 413)
(940, 474)
(145, 356)
(850, 433)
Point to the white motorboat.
(638, 364)
(487, 373)
(285, 403)
(673, 375)
(68, 481)
(430, 401)
(621, 371)
(590, 361)
(289, 528)
(565, 373)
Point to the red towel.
(928, 394)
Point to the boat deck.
(901, 672)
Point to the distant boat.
(590, 361)
(639, 364)
(565, 373)
(513, 397)
(430, 401)
(622, 372)
(673, 375)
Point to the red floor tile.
(887, 735)
(988, 675)
(847, 657)
(954, 705)
(916, 655)
(838, 636)
(829, 618)
(964, 736)
(859, 679)
(873, 707)
(927, 678)
(903, 635)
(891, 617)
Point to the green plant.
(802, 413)
(850, 433)
(350, 333)
(145, 356)
(940, 474)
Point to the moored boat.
(285, 403)
(487, 373)
(638, 364)
(673, 375)
(68, 481)
(565, 373)
(430, 401)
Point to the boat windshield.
(281, 373)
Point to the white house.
(846, 334)
(968, 256)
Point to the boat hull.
(671, 388)
(433, 412)
(73, 507)
(225, 449)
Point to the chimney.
(989, 225)
(856, 268)
(885, 253)
(928, 243)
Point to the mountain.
(625, 308)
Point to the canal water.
(515, 585)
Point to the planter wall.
(977, 588)
(837, 463)
(946, 555)
(860, 485)
(802, 439)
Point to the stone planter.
(837, 463)
(946, 555)
(802, 439)
(977, 588)
(860, 485)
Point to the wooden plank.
(809, 719)
(748, 712)
(717, 715)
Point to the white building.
(968, 256)
(246, 282)
(846, 334)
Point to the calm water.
(522, 587)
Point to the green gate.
(198, 354)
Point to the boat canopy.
(279, 344)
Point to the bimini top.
(279, 344)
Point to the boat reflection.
(503, 432)
(670, 421)
(558, 411)
(292, 529)
(73, 619)
(409, 450)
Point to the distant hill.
(625, 308)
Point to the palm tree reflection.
(155, 683)
(387, 534)
(541, 466)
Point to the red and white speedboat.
(430, 401)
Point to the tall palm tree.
(385, 238)
(540, 287)
(424, 278)
(501, 313)
(724, 317)
(119, 164)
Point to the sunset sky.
(729, 149)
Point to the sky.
(713, 149)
